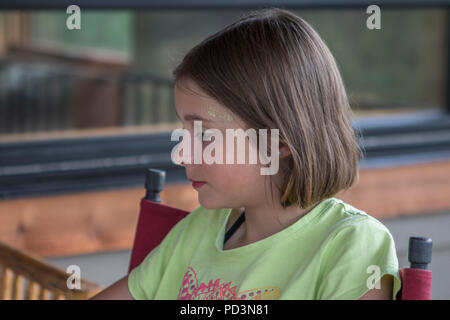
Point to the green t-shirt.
(335, 251)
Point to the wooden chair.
(26, 277)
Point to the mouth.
(197, 184)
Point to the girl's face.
(226, 185)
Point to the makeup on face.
(216, 114)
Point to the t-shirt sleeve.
(144, 279)
(357, 257)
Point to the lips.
(197, 184)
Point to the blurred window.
(114, 75)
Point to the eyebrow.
(189, 117)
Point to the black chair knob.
(154, 183)
(419, 252)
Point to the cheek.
(233, 178)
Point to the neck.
(262, 221)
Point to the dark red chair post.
(416, 280)
(155, 219)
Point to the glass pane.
(113, 76)
(399, 68)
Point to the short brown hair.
(272, 69)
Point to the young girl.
(279, 236)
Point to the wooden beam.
(402, 191)
(80, 223)
(102, 221)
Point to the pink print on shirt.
(191, 290)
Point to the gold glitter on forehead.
(213, 113)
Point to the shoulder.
(355, 236)
(358, 249)
(348, 221)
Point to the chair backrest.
(155, 219)
(26, 277)
(416, 280)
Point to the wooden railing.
(26, 277)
